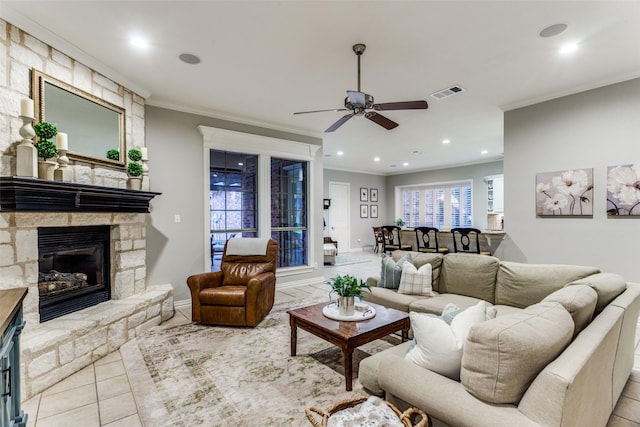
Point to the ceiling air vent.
(445, 93)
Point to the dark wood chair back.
(467, 240)
(427, 240)
(392, 239)
(379, 238)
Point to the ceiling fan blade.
(356, 97)
(407, 105)
(320, 111)
(381, 120)
(339, 123)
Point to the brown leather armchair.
(240, 294)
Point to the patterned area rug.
(223, 376)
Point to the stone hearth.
(55, 349)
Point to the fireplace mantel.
(19, 194)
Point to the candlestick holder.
(62, 171)
(26, 152)
(145, 175)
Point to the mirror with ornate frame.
(93, 125)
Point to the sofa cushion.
(391, 271)
(415, 281)
(579, 301)
(419, 259)
(607, 285)
(471, 275)
(438, 345)
(435, 304)
(391, 298)
(503, 356)
(369, 369)
(521, 285)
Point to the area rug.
(346, 260)
(224, 376)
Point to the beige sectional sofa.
(501, 385)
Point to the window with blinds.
(439, 206)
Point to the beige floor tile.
(85, 416)
(113, 387)
(628, 408)
(111, 357)
(130, 421)
(185, 311)
(109, 370)
(177, 320)
(67, 400)
(30, 407)
(117, 407)
(632, 390)
(82, 377)
(616, 421)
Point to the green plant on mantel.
(134, 168)
(45, 131)
(347, 286)
(113, 154)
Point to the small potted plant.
(134, 169)
(400, 222)
(347, 287)
(113, 154)
(46, 149)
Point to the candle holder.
(145, 174)
(61, 172)
(26, 152)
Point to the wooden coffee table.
(347, 335)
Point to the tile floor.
(100, 394)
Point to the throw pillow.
(504, 355)
(415, 281)
(392, 271)
(438, 346)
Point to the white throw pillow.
(414, 281)
(438, 346)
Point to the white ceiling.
(264, 60)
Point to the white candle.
(145, 155)
(61, 141)
(26, 107)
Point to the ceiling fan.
(358, 103)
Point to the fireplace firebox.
(74, 269)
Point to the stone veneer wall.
(19, 53)
(56, 349)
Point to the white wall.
(593, 129)
(361, 228)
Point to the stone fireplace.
(54, 349)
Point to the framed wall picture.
(567, 193)
(364, 194)
(364, 211)
(623, 194)
(374, 211)
(373, 195)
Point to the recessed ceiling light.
(339, 153)
(189, 58)
(484, 152)
(568, 48)
(376, 159)
(446, 141)
(553, 30)
(139, 42)
(405, 164)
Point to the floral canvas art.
(623, 190)
(565, 193)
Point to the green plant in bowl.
(348, 286)
(399, 222)
(135, 155)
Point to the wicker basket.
(405, 417)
